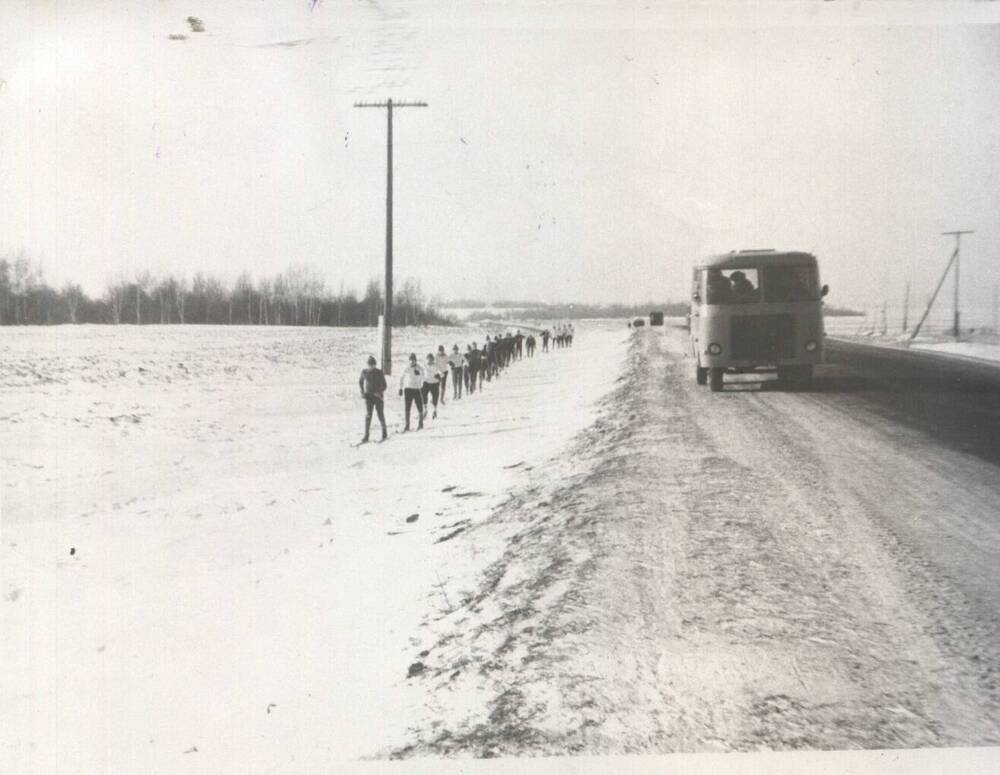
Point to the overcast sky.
(571, 150)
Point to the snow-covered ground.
(983, 350)
(982, 345)
(745, 570)
(201, 574)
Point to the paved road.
(736, 571)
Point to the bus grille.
(763, 338)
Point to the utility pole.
(906, 306)
(930, 302)
(387, 317)
(996, 313)
(958, 243)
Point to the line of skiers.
(561, 336)
(425, 385)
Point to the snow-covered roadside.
(982, 344)
(982, 350)
(749, 570)
(200, 574)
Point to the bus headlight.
(714, 348)
(810, 346)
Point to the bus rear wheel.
(796, 377)
(715, 379)
(701, 375)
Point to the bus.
(757, 309)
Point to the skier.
(372, 384)
(457, 363)
(409, 386)
(471, 367)
(508, 349)
(490, 349)
(431, 386)
(481, 364)
(442, 365)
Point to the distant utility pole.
(930, 302)
(906, 306)
(958, 259)
(387, 319)
(996, 312)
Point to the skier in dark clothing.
(529, 345)
(483, 363)
(372, 384)
(519, 345)
(490, 348)
(471, 368)
(545, 340)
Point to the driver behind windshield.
(743, 289)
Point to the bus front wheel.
(715, 379)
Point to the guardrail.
(908, 363)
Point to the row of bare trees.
(296, 297)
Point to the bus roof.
(748, 259)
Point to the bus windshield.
(768, 284)
(790, 283)
(731, 286)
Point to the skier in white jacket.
(410, 384)
(442, 364)
(431, 387)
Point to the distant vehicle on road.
(656, 318)
(638, 322)
(757, 309)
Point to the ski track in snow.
(716, 572)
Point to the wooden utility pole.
(906, 306)
(387, 306)
(996, 312)
(958, 244)
(930, 302)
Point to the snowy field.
(201, 574)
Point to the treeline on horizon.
(295, 297)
